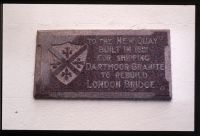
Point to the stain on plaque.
(103, 64)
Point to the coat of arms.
(67, 60)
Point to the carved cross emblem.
(67, 61)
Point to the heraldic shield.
(67, 60)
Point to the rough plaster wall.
(21, 111)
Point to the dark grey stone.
(103, 64)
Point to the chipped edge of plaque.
(169, 64)
(96, 95)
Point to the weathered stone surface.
(106, 64)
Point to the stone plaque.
(103, 64)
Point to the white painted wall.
(21, 111)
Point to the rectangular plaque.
(103, 64)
